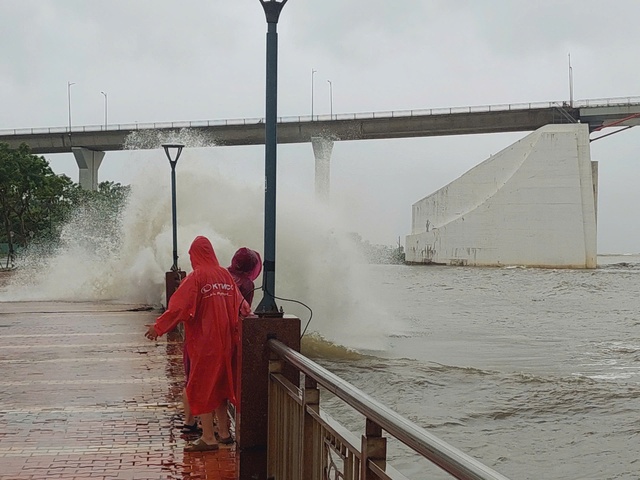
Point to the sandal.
(195, 429)
(201, 446)
(226, 441)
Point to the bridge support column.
(88, 162)
(322, 148)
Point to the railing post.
(275, 429)
(373, 447)
(310, 400)
(252, 409)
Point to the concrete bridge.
(89, 143)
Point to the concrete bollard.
(172, 281)
(253, 385)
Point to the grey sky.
(164, 60)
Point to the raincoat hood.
(202, 253)
(246, 262)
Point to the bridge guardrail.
(600, 102)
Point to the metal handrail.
(601, 102)
(447, 457)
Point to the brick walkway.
(84, 395)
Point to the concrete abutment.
(532, 204)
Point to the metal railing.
(305, 442)
(602, 102)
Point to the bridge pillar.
(88, 162)
(322, 148)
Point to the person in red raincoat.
(245, 267)
(208, 302)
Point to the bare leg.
(207, 428)
(223, 420)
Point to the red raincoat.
(245, 267)
(207, 301)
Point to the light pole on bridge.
(331, 98)
(570, 83)
(313, 72)
(69, 102)
(105, 110)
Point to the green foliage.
(35, 202)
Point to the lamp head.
(173, 147)
(272, 9)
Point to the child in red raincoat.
(208, 302)
(245, 267)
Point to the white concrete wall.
(532, 204)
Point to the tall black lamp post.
(267, 306)
(173, 277)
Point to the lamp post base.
(269, 313)
(268, 308)
(172, 281)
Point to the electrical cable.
(305, 306)
(294, 301)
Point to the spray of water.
(147, 139)
(125, 259)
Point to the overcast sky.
(165, 60)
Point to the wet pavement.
(84, 395)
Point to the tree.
(27, 187)
(33, 199)
(35, 202)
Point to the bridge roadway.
(601, 113)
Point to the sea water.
(534, 372)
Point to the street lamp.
(69, 102)
(312, 73)
(168, 148)
(570, 83)
(267, 306)
(331, 97)
(105, 110)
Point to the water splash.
(149, 139)
(317, 262)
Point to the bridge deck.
(357, 126)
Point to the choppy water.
(534, 372)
